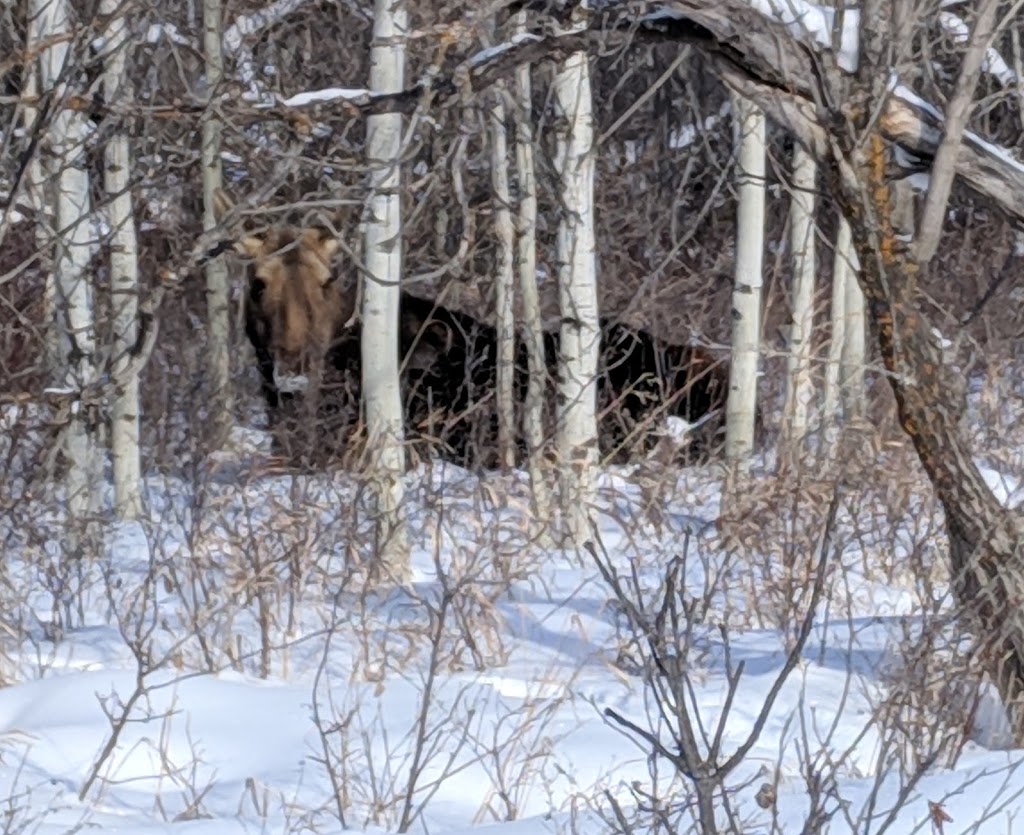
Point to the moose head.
(295, 306)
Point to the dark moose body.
(449, 369)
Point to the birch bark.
(218, 302)
(504, 281)
(75, 375)
(577, 282)
(800, 386)
(526, 252)
(741, 406)
(124, 277)
(852, 356)
(380, 304)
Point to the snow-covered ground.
(226, 666)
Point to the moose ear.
(328, 246)
(252, 246)
(222, 204)
(322, 242)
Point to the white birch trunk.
(852, 356)
(381, 295)
(503, 283)
(218, 302)
(529, 294)
(124, 279)
(832, 405)
(800, 392)
(75, 247)
(577, 292)
(741, 406)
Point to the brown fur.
(297, 319)
(299, 300)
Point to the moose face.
(294, 305)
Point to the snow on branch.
(994, 63)
(685, 135)
(480, 70)
(745, 39)
(492, 52)
(803, 18)
(360, 95)
(249, 24)
(157, 32)
(355, 94)
(234, 44)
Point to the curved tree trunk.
(380, 310)
(741, 406)
(985, 538)
(758, 58)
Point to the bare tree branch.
(929, 231)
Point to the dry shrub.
(483, 543)
(772, 526)
(997, 427)
(889, 531)
(257, 556)
(935, 686)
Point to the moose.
(303, 327)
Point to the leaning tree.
(843, 107)
(833, 89)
